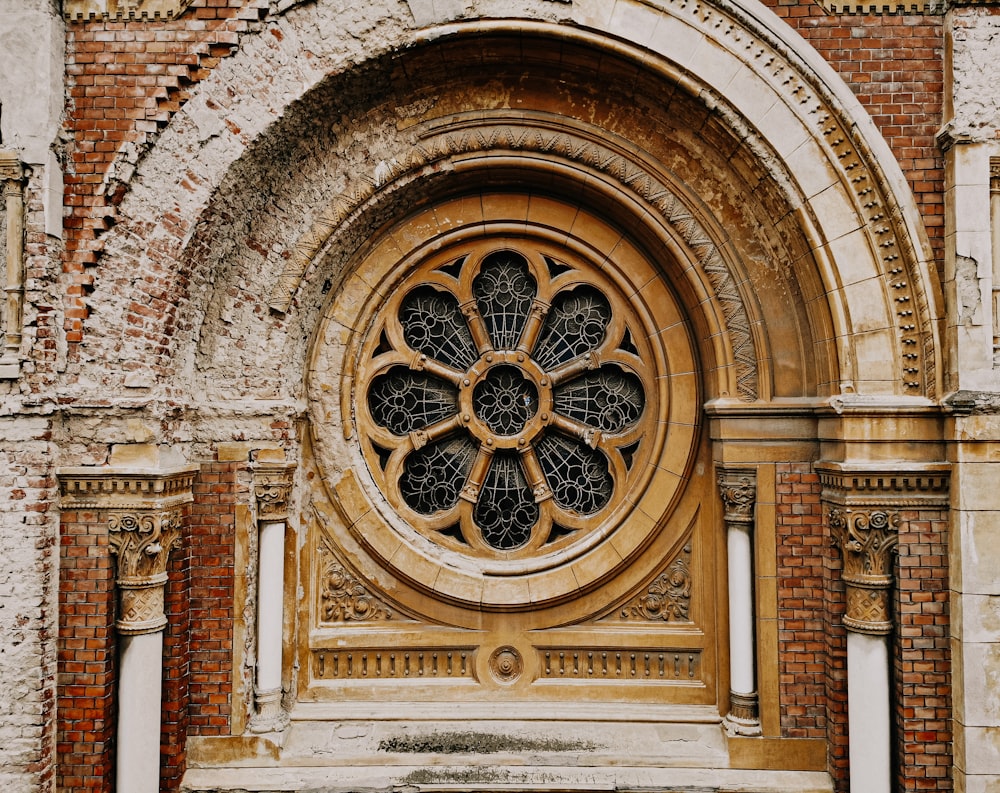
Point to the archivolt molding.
(542, 139)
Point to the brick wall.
(811, 640)
(922, 660)
(124, 82)
(86, 663)
(894, 64)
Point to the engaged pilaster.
(272, 482)
(863, 507)
(142, 509)
(738, 489)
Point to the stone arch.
(860, 253)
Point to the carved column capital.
(738, 488)
(142, 510)
(862, 504)
(272, 488)
(867, 539)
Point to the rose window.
(503, 399)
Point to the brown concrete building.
(466, 395)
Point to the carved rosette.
(867, 539)
(142, 511)
(272, 488)
(738, 488)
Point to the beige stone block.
(874, 352)
(782, 129)
(592, 13)
(868, 307)
(976, 537)
(812, 171)
(350, 497)
(595, 564)
(755, 98)
(460, 213)
(552, 584)
(458, 585)
(968, 164)
(505, 206)
(354, 295)
(144, 455)
(854, 260)
(660, 302)
(232, 451)
(975, 618)
(836, 212)
(499, 591)
(976, 486)
(975, 783)
(967, 210)
(599, 235)
(659, 493)
(977, 750)
(977, 685)
(556, 215)
(634, 22)
(765, 560)
(680, 357)
(416, 230)
(713, 65)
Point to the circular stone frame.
(394, 538)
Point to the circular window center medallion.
(504, 400)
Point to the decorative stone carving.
(995, 227)
(506, 664)
(738, 489)
(141, 543)
(87, 10)
(480, 133)
(867, 539)
(668, 598)
(380, 664)
(642, 664)
(143, 512)
(12, 246)
(272, 487)
(344, 599)
(862, 505)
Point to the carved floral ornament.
(868, 538)
(738, 489)
(143, 514)
(272, 488)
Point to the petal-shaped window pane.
(434, 476)
(609, 399)
(504, 290)
(506, 511)
(576, 324)
(577, 475)
(403, 401)
(433, 324)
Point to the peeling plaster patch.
(967, 289)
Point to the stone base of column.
(743, 717)
(270, 715)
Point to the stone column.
(142, 510)
(867, 539)
(738, 488)
(12, 189)
(272, 486)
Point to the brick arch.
(871, 297)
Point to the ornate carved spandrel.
(345, 599)
(867, 539)
(668, 598)
(272, 489)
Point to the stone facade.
(784, 218)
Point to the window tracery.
(503, 394)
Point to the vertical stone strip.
(12, 187)
(738, 488)
(862, 508)
(272, 484)
(995, 246)
(143, 512)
